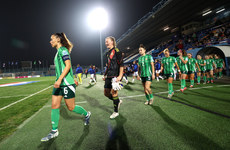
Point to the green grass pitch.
(199, 118)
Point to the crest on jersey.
(64, 53)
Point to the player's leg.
(79, 78)
(170, 86)
(55, 115)
(211, 76)
(220, 72)
(116, 103)
(133, 77)
(198, 77)
(192, 80)
(149, 91)
(146, 93)
(70, 103)
(204, 77)
(183, 82)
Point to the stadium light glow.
(98, 19)
(206, 13)
(166, 28)
(223, 9)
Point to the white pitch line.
(174, 91)
(13, 96)
(24, 98)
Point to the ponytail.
(64, 41)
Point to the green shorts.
(144, 79)
(191, 72)
(66, 91)
(184, 72)
(171, 75)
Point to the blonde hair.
(166, 50)
(64, 41)
(112, 39)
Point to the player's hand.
(57, 84)
(118, 79)
(199, 70)
(153, 77)
(103, 78)
(116, 85)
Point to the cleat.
(208, 82)
(211, 81)
(147, 103)
(185, 88)
(151, 101)
(191, 86)
(198, 84)
(51, 135)
(87, 118)
(204, 83)
(114, 115)
(170, 96)
(182, 90)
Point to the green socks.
(147, 97)
(170, 87)
(205, 79)
(220, 74)
(55, 115)
(151, 96)
(192, 82)
(183, 83)
(80, 110)
(198, 79)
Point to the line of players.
(186, 66)
(92, 71)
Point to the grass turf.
(195, 119)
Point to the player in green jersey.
(220, 65)
(210, 65)
(64, 85)
(202, 65)
(192, 65)
(167, 65)
(147, 73)
(182, 60)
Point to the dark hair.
(142, 46)
(64, 41)
(184, 53)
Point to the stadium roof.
(172, 13)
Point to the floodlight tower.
(98, 20)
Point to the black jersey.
(115, 61)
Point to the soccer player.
(167, 64)
(113, 74)
(202, 66)
(146, 71)
(135, 70)
(79, 72)
(182, 60)
(192, 65)
(64, 85)
(158, 70)
(86, 73)
(220, 65)
(210, 65)
(92, 75)
(125, 77)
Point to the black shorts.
(144, 79)
(219, 67)
(203, 71)
(208, 70)
(191, 72)
(108, 83)
(169, 75)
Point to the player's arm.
(63, 74)
(214, 64)
(162, 67)
(178, 69)
(139, 72)
(120, 57)
(153, 70)
(182, 59)
(197, 66)
(224, 65)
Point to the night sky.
(26, 26)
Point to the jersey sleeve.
(186, 58)
(174, 60)
(120, 57)
(151, 58)
(64, 54)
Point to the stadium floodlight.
(166, 28)
(98, 20)
(206, 13)
(223, 9)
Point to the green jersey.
(182, 66)
(209, 64)
(168, 63)
(201, 62)
(192, 64)
(61, 56)
(219, 63)
(145, 65)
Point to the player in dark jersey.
(64, 85)
(158, 70)
(113, 74)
